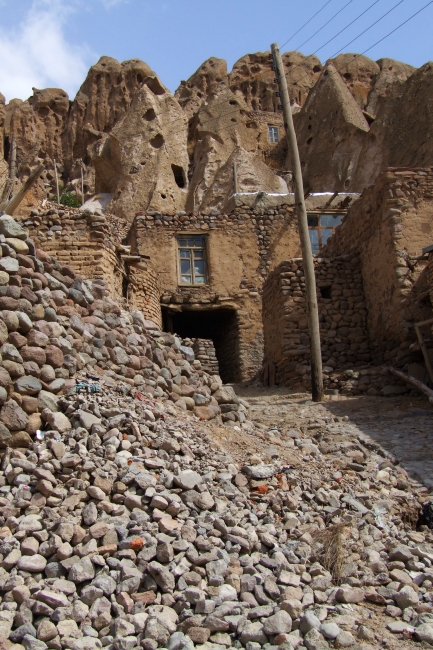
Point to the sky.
(52, 43)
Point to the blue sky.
(47, 43)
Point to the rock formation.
(331, 130)
(210, 78)
(101, 102)
(253, 175)
(253, 77)
(401, 135)
(143, 161)
(216, 132)
(214, 114)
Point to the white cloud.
(37, 53)
(113, 3)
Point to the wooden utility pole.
(235, 178)
(82, 183)
(57, 182)
(307, 256)
(13, 165)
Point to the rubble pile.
(123, 525)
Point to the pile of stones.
(54, 324)
(123, 525)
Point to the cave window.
(192, 260)
(321, 227)
(179, 175)
(273, 134)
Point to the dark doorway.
(220, 325)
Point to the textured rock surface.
(147, 161)
(331, 130)
(143, 162)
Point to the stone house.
(374, 284)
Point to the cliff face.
(152, 149)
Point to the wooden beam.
(19, 196)
(415, 382)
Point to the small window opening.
(179, 175)
(320, 229)
(192, 260)
(273, 134)
(325, 292)
(149, 115)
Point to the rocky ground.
(132, 517)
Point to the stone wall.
(342, 312)
(374, 284)
(204, 351)
(388, 227)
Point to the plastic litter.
(85, 386)
(379, 511)
(40, 435)
(89, 376)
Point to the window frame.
(191, 249)
(319, 227)
(275, 131)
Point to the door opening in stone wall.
(219, 325)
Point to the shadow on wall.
(219, 325)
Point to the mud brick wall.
(82, 240)
(388, 227)
(342, 313)
(241, 249)
(144, 291)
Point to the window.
(192, 260)
(321, 227)
(273, 133)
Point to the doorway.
(219, 325)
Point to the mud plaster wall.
(242, 248)
(388, 226)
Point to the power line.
(368, 28)
(305, 24)
(323, 26)
(381, 39)
(338, 70)
(300, 65)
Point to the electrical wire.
(365, 30)
(323, 26)
(381, 39)
(338, 70)
(305, 24)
